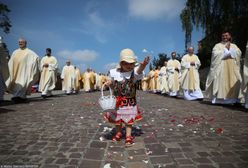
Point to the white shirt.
(120, 76)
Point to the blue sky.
(92, 32)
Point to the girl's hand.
(146, 61)
(143, 65)
(108, 83)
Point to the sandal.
(129, 140)
(117, 137)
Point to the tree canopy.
(5, 23)
(215, 16)
(159, 62)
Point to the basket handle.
(110, 90)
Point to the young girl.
(123, 81)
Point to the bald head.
(22, 43)
(191, 50)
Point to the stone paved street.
(69, 131)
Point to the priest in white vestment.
(173, 72)
(224, 78)
(152, 81)
(164, 79)
(103, 79)
(157, 79)
(97, 84)
(24, 72)
(4, 70)
(190, 80)
(92, 80)
(99, 80)
(245, 80)
(77, 80)
(89, 80)
(68, 78)
(48, 78)
(145, 83)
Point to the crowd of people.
(225, 83)
(174, 76)
(24, 69)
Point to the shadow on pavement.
(4, 110)
(135, 132)
(238, 107)
(6, 103)
(29, 100)
(33, 98)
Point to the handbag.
(107, 102)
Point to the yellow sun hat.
(128, 55)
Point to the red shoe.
(117, 137)
(138, 118)
(129, 141)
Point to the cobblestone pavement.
(69, 131)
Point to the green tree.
(179, 57)
(214, 16)
(162, 57)
(187, 26)
(5, 23)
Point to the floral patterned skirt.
(126, 114)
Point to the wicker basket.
(107, 102)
